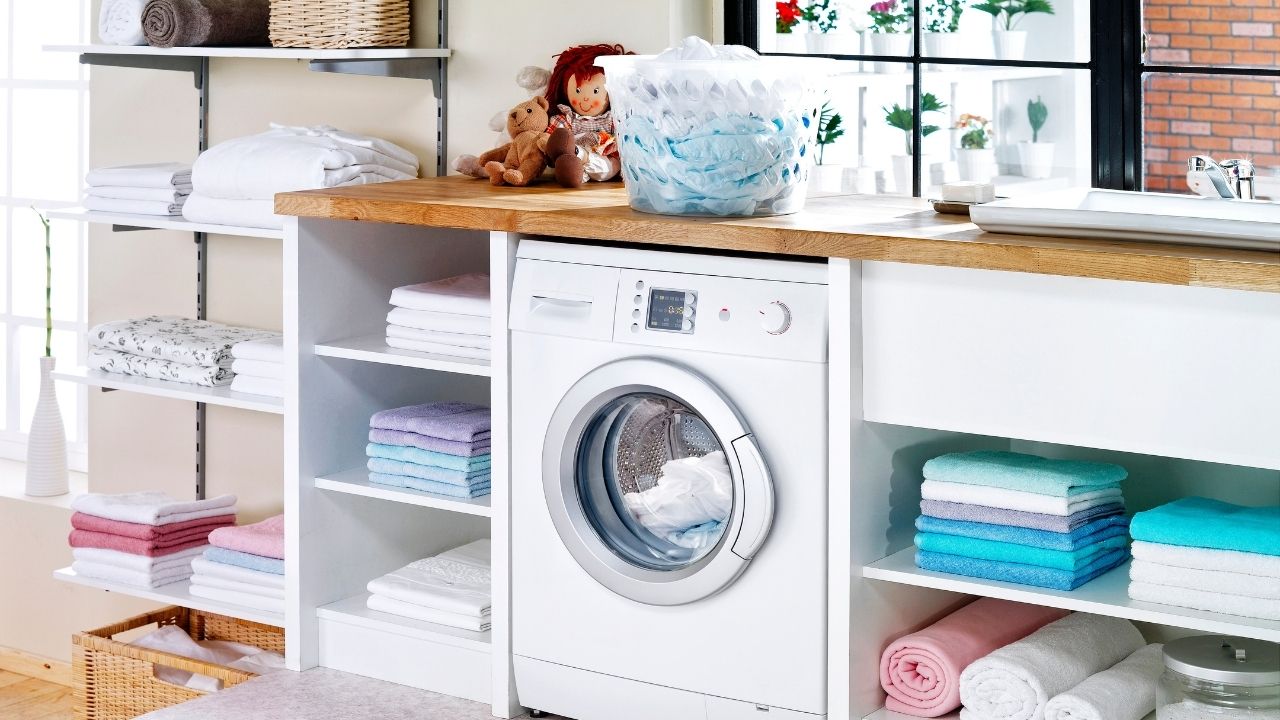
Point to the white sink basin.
(1118, 215)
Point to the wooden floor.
(24, 698)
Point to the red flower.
(789, 12)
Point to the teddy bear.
(520, 161)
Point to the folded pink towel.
(134, 546)
(921, 671)
(264, 538)
(81, 521)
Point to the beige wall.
(140, 442)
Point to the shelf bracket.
(194, 65)
(412, 68)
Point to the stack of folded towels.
(440, 448)
(452, 588)
(1208, 555)
(243, 566)
(1021, 518)
(235, 182)
(444, 317)
(143, 539)
(259, 367)
(177, 349)
(157, 189)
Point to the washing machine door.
(654, 482)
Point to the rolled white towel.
(1016, 681)
(1125, 691)
(120, 22)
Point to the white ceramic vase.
(941, 44)
(827, 179)
(890, 45)
(1010, 44)
(977, 165)
(47, 441)
(1036, 159)
(793, 42)
(820, 43)
(902, 168)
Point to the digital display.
(671, 310)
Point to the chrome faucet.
(1229, 180)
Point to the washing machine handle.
(757, 498)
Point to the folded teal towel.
(1028, 473)
(244, 560)
(1021, 574)
(419, 456)
(1203, 523)
(1023, 554)
(1078, 539)
(461, 478)
(435, 488)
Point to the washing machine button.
(775, 318)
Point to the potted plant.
(1035, 157)
(828, 177)
(822, 16)
(977, 154)
(902, 119)
(47, 439)
(941, 21)
(891, 25)
(789, 14)
(1011, 43)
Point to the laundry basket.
(339, 23)
(116, 681)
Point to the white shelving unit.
(355, 611)
(356, 482)
(174, 594)
(157, 222)
(178, 391)
(373, 348)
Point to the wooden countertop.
(859, 227)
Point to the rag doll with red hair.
(580, 143)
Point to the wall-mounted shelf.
(122, 222)
(356, 482)
(257, 52)
(1106, 595)
(174, 594)
(354, 611)
(178, 391)
(373, 348)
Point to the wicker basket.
(116, 681)
(339, 23)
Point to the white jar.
(1218, 677)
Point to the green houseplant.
(47, 439)
(977, 154)
(901, 118)
(1035, 157)
(1010, 42)
(891, 26)
(940, 21)
(825, 177)
(822, 16)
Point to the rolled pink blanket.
(921, 671)
(82, 521)
(265, 538)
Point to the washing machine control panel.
(671, 310)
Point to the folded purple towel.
(1017, 518)
(425, 442)
(457, 421)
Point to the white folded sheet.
(456, 581)
(138, 563)
(267, 387)
(152, 175)
(247, 588)
(435, 336)
(1016, 681)
(209, 568)
(244, 213)
(1016, 499)
(132, 578)
(1208, 559)
(425, 614)
(1208, 600)
(438, 348)
(267, 350)
(124, 363)
(151, 507)
(461, 294)
(258, 368)
(249, 600)
(1231, 583)
(440, 322)
(120, 22)
(1124, 691)
(134, 207)
(124, 192)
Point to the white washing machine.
(669, 484)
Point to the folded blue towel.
(1071, 560)
(244, 560)
(1079, 538)
(435, 488)
(1203, 523)
(1028, 473)
(419, 456)
(460, 478)
(1021, 574)
(1017, 518)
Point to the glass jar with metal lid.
(1218, 677)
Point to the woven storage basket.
(116, 681)
(339, 23)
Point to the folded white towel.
(457, 581)
(435, 336)
(417, 612)
(124, 192)
(251, 385)
(268, 350)
(462, 294)
(243, 213)
(382, 147)
(249, 600)
(440, 322)
(247, 588)
(1231, 583)
(152, 175)
(1207, 559)
(438, 348)
(1125, 691)
(1016, 499)
(211, 569)
(258, 369)
(138, 563)
(1208, 600)
(132, 578)
(1015, 682)
(151, 508)
(120, 22)
(134, 207)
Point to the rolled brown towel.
(193, 23)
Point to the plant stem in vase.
(47, 439)
(1035, 157)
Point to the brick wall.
(1222, 116)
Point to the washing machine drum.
(657, 488)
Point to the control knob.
(775, 318)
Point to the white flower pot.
(1036, 159)
(890, 44)
(792, 42)
(902, 168)
(47, 441)
(820, 43)
(977, 165)
(860, 180)
(1010, 44)
(826, 179)
(942, 44)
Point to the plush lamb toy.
(533, 80)
(522, 160)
